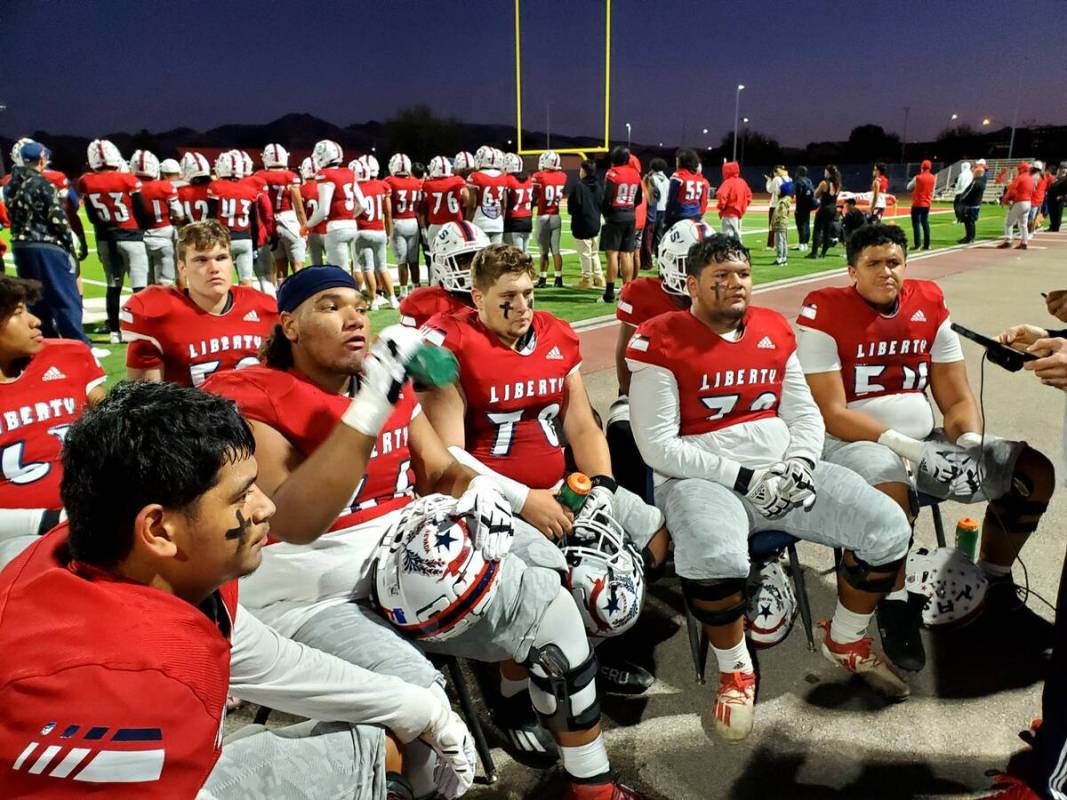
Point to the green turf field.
(573, 304)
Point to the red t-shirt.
(375, 192)
(443, 200)
(548, 189)
(36, 410)
(193, 197)
(720, 383)
(513, 396)
(108, 198)
(237, 203)
(520, 198)
(644, 298)
(310, 194)
(923, 193)
(405, 193)
(157, 197)
(880, 355)
(305, 415)
(418, 307)
(167, 329)
(1040, 189)
(343, 202)
(278, 184)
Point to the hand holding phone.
(999, 354)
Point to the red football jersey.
(443, 200)
(167, 329)
(720, 383)
(278, 184)
(490, 193)
(880, 355)
(310, 194)
(236, 204)
(426, 302)
(157, 197)
(520, 197)
(513, 396)
(305, 415)
(405, 193)
(621, 185)
(548, 188)
(108, 194)
(193, 198)
(57, 179)
(343, 202)
(255, 180)
(375, 192)
(644, 298)
(36, 409)
(110, 687)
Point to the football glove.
(600, 500)
(798, 485)
(447, 734)
(490, 513)
(384, 373)
(763, 488)
(943, 462)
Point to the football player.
(405, 196)
(520, 386)
(722, 414)
(235, 204)
(114, 206)
(488, 192)
(453, 250)
(870, 351)
(309, 193)
(375, 228)
(688, 194)
(340, 204)
(444, 196)
(45, 384)
(140, 589)
(196, 173)
(464, 164)
(518, 215)
(283, 188)
(342, 445)
(184, 335)
(5, 222)
(164, 211)
(549, 182)
(622, 194)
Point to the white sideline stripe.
(69, 762)
(123, 766)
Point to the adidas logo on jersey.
(918, 316)
(251, 316)
(53, 374)
(554, 355)
(765, 344)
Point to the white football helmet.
(430, 581)
(359, 167)
(954, 587)
(168, 166)
(399, 164)
(464, 160)
(102, 154)
(673, 251)
(484, 156)
(770, 605)
(229, 165)
(144, 164)
(606, 577)
(327, 154)
(453, 240)
(440, 167)
(247, 164)
(194, 165)
(371, 163)
(512, 163)
(307, 169)
(549, 160)
(16, 151)
(275, 157)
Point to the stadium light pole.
(627, 135)
(737, 114)
(744, 132)
(987, 121)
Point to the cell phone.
(999, 354)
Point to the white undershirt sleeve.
(323, 210)
(515, 492)
(817, 351)
(797, 407)
(946, 347)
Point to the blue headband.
(309, 281)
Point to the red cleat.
(612, 790)
(1008, 787)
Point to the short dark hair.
(14, 291)
(687, 159)
(659, 165)
(717, 248)
(874, 234)
(145, 443)
(881, 167)
(801, 172)
(620, 156)
(418, 170)
(277, 350)
(851, 201)
(589, 167)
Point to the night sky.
(813, 70)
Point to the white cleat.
(858, 658)
(735, 705)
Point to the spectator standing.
(963, 180)
(780, 222)
(826, 196)
(43, 246)
(922, 195)
(879, 191)
(1057, 196)
(644, 211)
(1017, 197)
(804, 192)
(853, 219)
(583, 206)
(774, 189)
(971, 202)
(1042, 180)
(732, 199)
(663, 185)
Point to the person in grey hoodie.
(963, 180)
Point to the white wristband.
(905, 446)
(367, 412)
(968, 440)
(513, 491)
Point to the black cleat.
(1002, 597)
(541, 283)
(525, 738)
(558, 282)
(899, 622)
(619, 676)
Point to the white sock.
(993, 570)
(587, 760)
(734, 659)
(898, 594)
(510, 688)
(848, 626)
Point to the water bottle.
(434, 366)
(967, 538)
(574, 490)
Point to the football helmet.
(16, 151)
(275, 157)
(371, 163)
(440, 167)
(168, 166)
(673, 251)
(770, 605)
(307, 169)
(229, 165)
(399, 164)
(953, 586)
(194, 165)
(102, 154)
(549, 160)
(359, 167)
(453, 240)
(144, 164)
(512, 163)
(606, 575)
(484, 156)
(327, 154)
(464, 160)
(247, 164)
(430, 580)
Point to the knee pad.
(1016, 513)
(714, 590)
(653, 571)
(563, 695)
(858, 575)
(397, 788)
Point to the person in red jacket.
(733, 199)
(1042, 180)
(922, 194)
(1018, 198)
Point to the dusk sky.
(812, 70)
